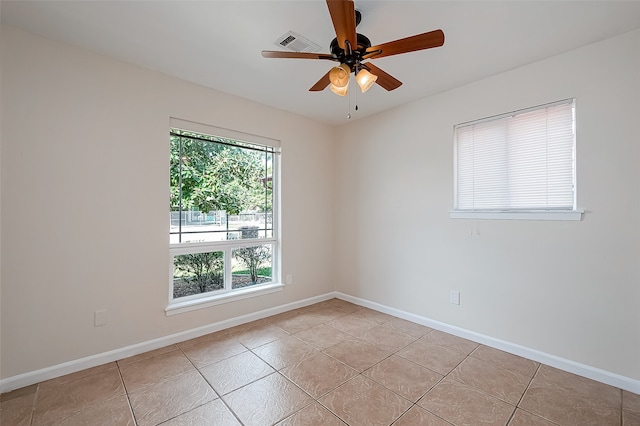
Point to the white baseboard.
(590, 372)
(32, 377)
(603, 376)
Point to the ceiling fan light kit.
(351, 49)
(340, 91)
(365, 79)
(339, 75)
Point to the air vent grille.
(296, 43)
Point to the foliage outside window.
(222, 224)
(519, 162)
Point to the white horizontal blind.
(523, 160)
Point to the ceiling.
(217, 43)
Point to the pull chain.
(356, 99)
(349, 107)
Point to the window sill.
(518, 215)
(206, 302)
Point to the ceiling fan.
(351, 49)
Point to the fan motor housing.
(356, 54)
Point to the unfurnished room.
(319, 212)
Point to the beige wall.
(85, 190)
(570, 289)
(84, 208)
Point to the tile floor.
(332, 363)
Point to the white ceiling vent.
(296, 43)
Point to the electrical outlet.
(100, 318)
(289, 279)
(454, 297)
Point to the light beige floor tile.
(318, 374)
(111, 366)
(630, 409)
(299, 322)
(488, 377)
(403, 377)
(17, 409)
(506, 360)
(273, 319)
(220, 335)
(460, 404)
(259, 335)
(17, 393)
(213, 413)
(630, 418)
(630, 401)
(237, 329)
(352, 324)
(167, 399)
(209, 351)
(322, 336)
(386, 338)
(149, 371)
(357, 354)
(417, 416)
(312, 415)
(304, 310)
(344, 305)
(283, 352)
(147, 355)
(361, 401)
(56, 403)
(266, 401)
(579, 385)
(432, 356)
(407, 327)
(524, 418)
(451, 342)
(567, 407)
(232, 373)
(329, 313)
(373, 316)
(566, 398)
(325, 304)
(113, 412)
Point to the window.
(223, 215)
(517, 165)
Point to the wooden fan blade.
(405, 45)
(296, 55)
(343, 15)
(321, 84)
(385, 80)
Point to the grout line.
(126, 393)
(33, 405)
(529, 385)
(621, 408)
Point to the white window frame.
(504, 211)
(228, 294)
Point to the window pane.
(219, 189)
(197, 273)
(251, 265)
